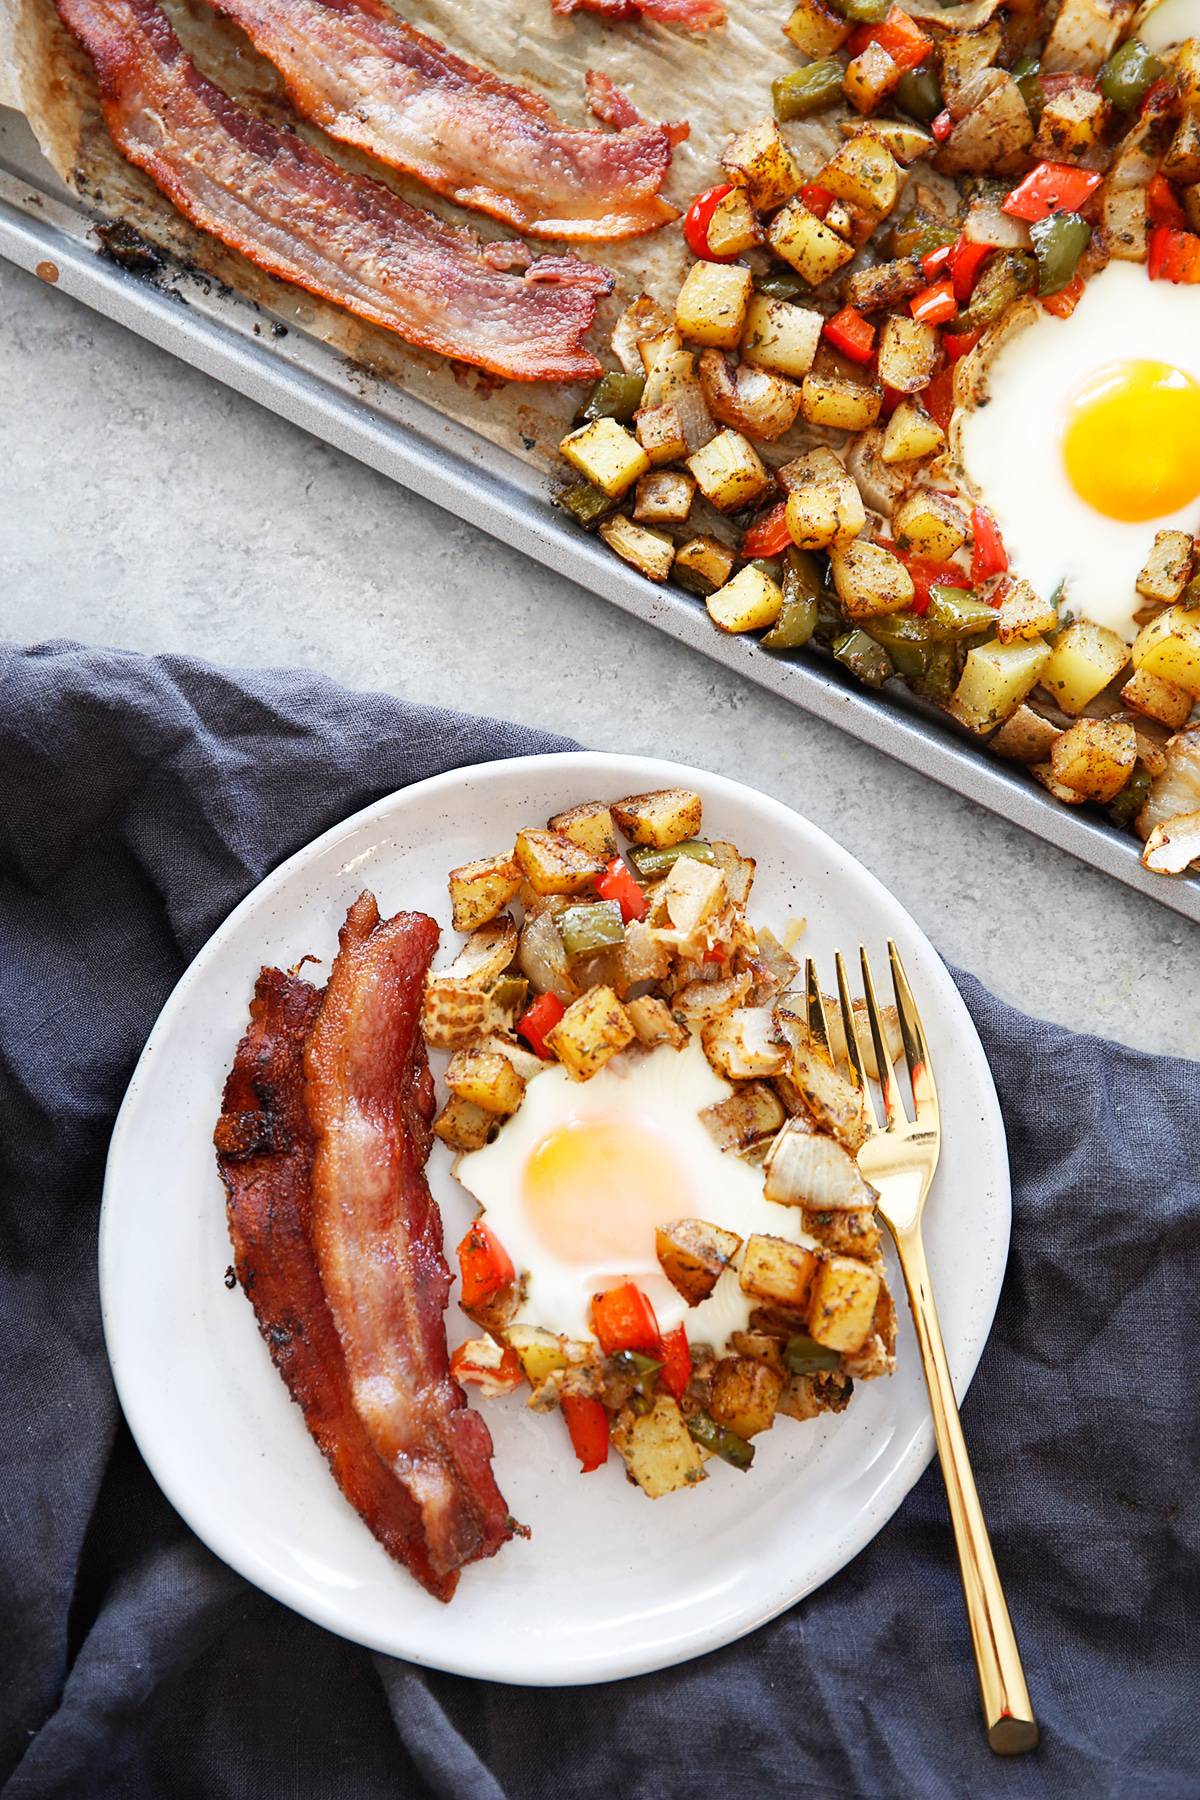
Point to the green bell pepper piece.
(863, 657)
(801, 582)
(1129, 74)
(919, 94)
(782, 284)
(721, 1441)
(1026, 72)
(586, 503)
(956, 612)
(1058, 243)
(804, 1356)
(1132, 797)
(651, 863)
(615, 396)
(1001, 281)
(802, 92)
(862, 12)
(596, 925)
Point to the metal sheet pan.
(45, 230)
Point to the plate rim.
(237, 1552)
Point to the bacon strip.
(299, 215)
(368, 79)
(378, 1234)
(265, 1152)
(696, 15)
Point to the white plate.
(611, 1584)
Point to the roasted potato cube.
(1026, 737)
(710, 307)
(607, 454)
(541, 1352)
(590, 825)
(995, 680)
(747, 399)
(841, 1310)
(840, 401)
(750, 602)
(1182, 160)
(807, 243)
(1157, 699)
(1072, 121)
(816, 30)
(830, 1097)
(1084, 660)
(1022, 613)
(519, 1055)
(1168, 568)
(590, 1033)
(1187, 74)
(660, 819)
(930, 524)
(869, 579)
(694, 1255)
(1170, 647)
(870, 77)
(910, 434)
(462, 1125)
(706, 560)
(908, 354)
(658, 1449)
(479, 890)
(761, 1346)
(824, 505)
(842, 218)
(664, 497)
(744, 1394)
(864, 173)
(994, 135)
(963, 55)
(552, 864)
(780, 337)
(729, 471)
(1095, 757)
(750, 1114)
(655, 1024)
(651, 553)
(760, 161)
(660, 433)
(885, 284)
(778, 1271)
(452, 1013)
(1125, 222)
(487, 1079)
(734, 226)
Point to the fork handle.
(1007, 1709)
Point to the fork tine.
(818, 1025)
(916, 1049)
(893, 1106)
(853, 1045)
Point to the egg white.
(665, 1089)
(1011, 447)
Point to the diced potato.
(830, 1097)
(590, 825)
(842, 1307)
(1022, 613)
(816, 30)
(776, 1270)
(851, 1233)
(462, 1125)
(842, 218)
(655, 1024)
(607, 454)
(750, 602)
(710, 307)
(911, 434)
(1125, 222)
(824, 505)
(780, 337)
(1182, 160)
(658, 1449)
(694, 1255)
(479, 890)
(660, 433)
(519, 1055)
(995, 134)
(1168, 568)
(869, 579)
(734, 226)
(864, 173)
(692, 893)
(744, 1395)
(964, 54)
(1025, 737)
(552, 864)
(590, 1033)
(664, 497)
(1169, 646)
(839, 401)
(485, 1078)
(1072, 121)
(905, 140)
(908, 354)
(885, 284)
(995, 680)
(660, 819)
(1095, 757)
(1157, 699)
(707, 560)
(930, 524)
(1187, 74)
(453, 1014)
(759, 1345)
(759, 160)
(541, 1352)
(870, 77)
(729, 471)
(750, 400)
(1084, 660)
(807, 243)
(750, 1114)
(651, 553)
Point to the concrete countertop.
(144, 506)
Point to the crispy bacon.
(264, 192)
(378, 1234)
(368, 79)
(612, 105)
(697, 15)
(264, 1152)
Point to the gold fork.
(899, 1158)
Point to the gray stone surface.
(143, 505)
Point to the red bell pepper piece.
(1063, 304)
(988, 555)
(934, 304)
(1174, 255)
(1050, 187)
(540, 1018)
(484, 1264)
(817, 199)
(501, 1377)
(850, 333)
(618, 884)
(623, 1319)
(1160, 97)
(901, 36)
(927, 573)
(587, 1423)
(943, 125)
(698, 218)
(938, 397)
(1162, 202)
(965, 259)
(934, 263)
(957, 343)
(768, 536)
(676, 1369)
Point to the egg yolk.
(1131, 442)
(595, 1189)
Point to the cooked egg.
(576, 1183)
(1089, 441)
